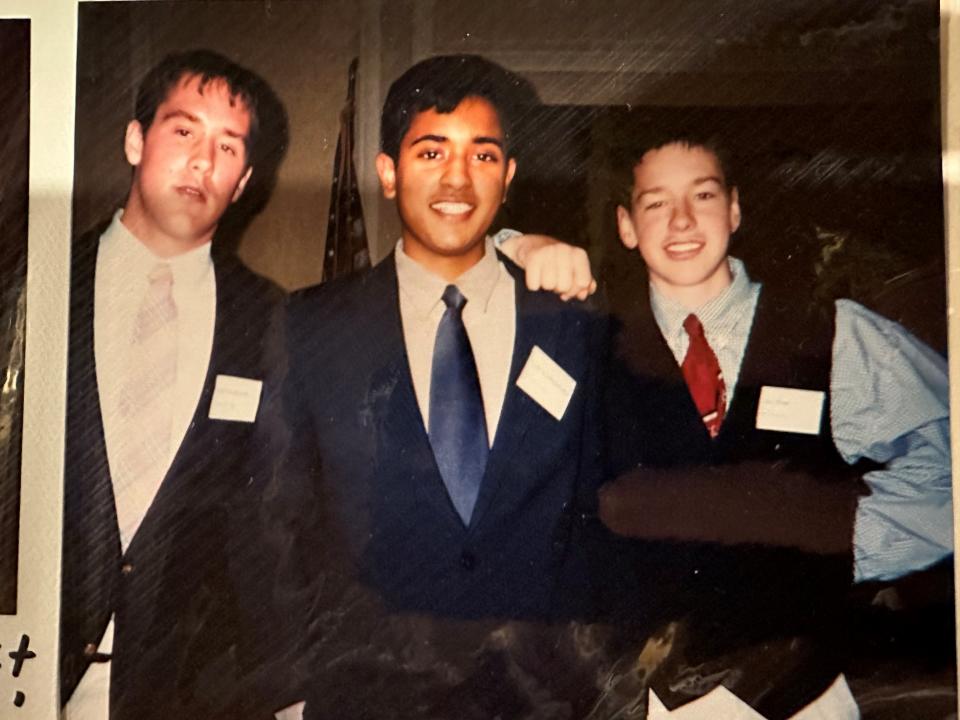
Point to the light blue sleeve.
(889, 404)
(503, 235)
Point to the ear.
(628, 235)
(133, 142)
(734, 210)
(242, 184)
(511, 171)
(387, 172)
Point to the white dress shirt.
(123, 266)
(489, 317)
(121, 281)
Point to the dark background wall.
(831, 110)
(301, 48)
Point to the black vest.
(762, 620)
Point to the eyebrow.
(179, 113)
(696, 181)
(479, 140)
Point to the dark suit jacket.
(178, 616)
(367, 501)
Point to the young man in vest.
(740, 420)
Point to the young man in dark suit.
(740, 421)
(418, 386)
(166, 360)
(437, 413)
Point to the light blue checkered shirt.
(888, 403)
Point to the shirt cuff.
(503, 235)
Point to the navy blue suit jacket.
(365, 497)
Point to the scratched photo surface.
(14, 133)
(297, 549)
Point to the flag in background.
(346, 250)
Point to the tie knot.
(161, 277)
(454, 298)
(693, 326)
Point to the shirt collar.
(121, 246)
(424, 289)
(726, 309)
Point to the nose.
(456, 171)
(202, 157)
(681, 218)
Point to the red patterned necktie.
(704, 377)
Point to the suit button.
(467, 560)
(126, 568)
(89, 650)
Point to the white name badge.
(790, 410)
(718, 703)
(235, 398)
(547, 383)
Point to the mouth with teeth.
(452, 208)
(683, 250)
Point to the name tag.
(547, 383)
(235, 398)
(718, 703)
(790, 410)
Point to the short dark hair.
(625, 159)
(442, 83)
(244, 86)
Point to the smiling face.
(449, 179)
(189, 166)
(681, 217)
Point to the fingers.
(561, 269)
(542, 272)
(585, 292)
(581, 277)
(533, 270)
(552, 270)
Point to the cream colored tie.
(146, 404)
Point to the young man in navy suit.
(166, 359)
(450, 513)
(437, 413)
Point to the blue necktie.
(458, 428)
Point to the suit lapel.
(89, 489)
(538, 324)
(196, 469)
(91, 539)
(403, 431)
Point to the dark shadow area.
(14, 159)
(830, 196)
